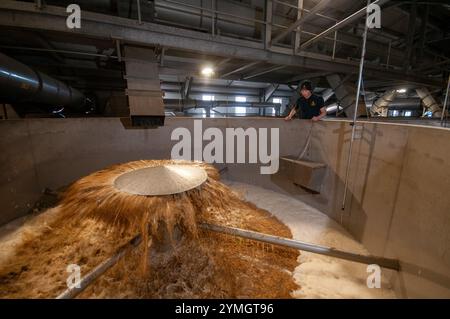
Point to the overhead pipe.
(405, 103)
(381, 105)
(333, 108)
(400, 104)
(429, 103)
(327, 94)
(20, 83)
(90, 54)
(201, 104)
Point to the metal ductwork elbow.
(20, 83)
(381, 105)
(429, 103)
(327, 94)
(333, 108)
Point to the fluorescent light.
(208, 97)
(240, 99)
(277, 100)
(401, 91)
(207, 71)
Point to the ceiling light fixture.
(207, 71)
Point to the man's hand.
(291, 114)
(323, 113)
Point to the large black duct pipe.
(22, 84)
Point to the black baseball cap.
(306, 86)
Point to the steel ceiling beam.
(52, 18)
(275, 68)
(339, 25)
(306, 76)
(433, 65)
(186, 87)
(269, 91)
(305, 18)
(242, 68)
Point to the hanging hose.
(307, 144)
(355, 114)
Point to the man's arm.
(291, 114)
(323, 111)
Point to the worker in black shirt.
(309, 105)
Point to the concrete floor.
(318, 276)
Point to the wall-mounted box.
(303, 173)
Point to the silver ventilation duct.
(20, 83)
(327, 94)
(429, 103)
(333, 108)
(381, 105)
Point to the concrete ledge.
(306, 174)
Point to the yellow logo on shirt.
(313, 103)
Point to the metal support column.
(119, 51)
(358, 91)
(444, 108)
(138, 2)
(213, 14)
(298, 32)
(334, 44)
(268, 28)
(388, 54)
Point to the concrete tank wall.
(50, 153)
(396, 204)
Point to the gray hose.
(307, 144)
